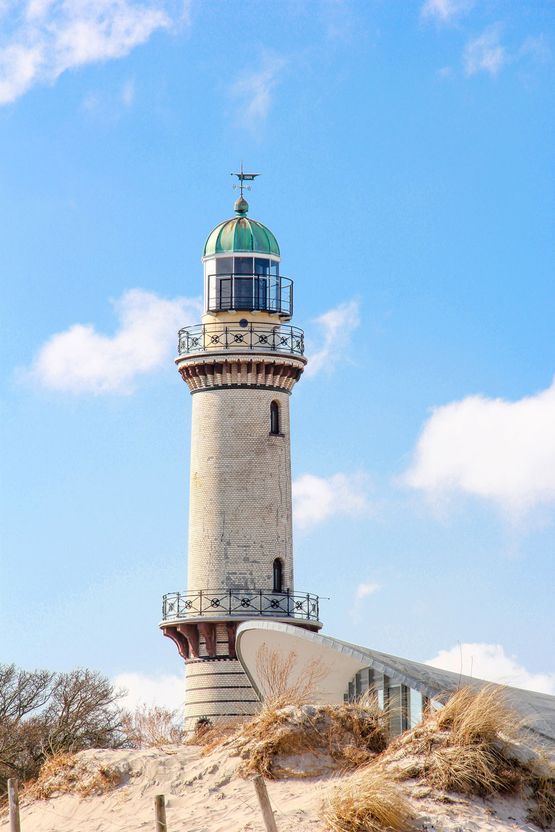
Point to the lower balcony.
(203, 623)
(225, 604)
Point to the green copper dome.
(241, 234)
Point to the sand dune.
(204, 794)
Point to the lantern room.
(242, 269)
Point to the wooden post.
(160, 813)
(265, 805)
(13, 804)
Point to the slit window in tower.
(278, 575)
(274, 418)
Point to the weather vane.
(244, 177)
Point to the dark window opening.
(274, 418)
(278, 575)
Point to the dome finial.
(241, 205)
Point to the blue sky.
(407, 152)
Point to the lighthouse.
(240, 364)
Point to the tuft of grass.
(70, 774)
(458, 748)
(477, 716)
(474, 769)
(342, 736)
(370, 802)
(542, 786)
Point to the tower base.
(217, 691)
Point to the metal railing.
(240, 603)
(238, 336)
(264, 292)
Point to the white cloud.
(253, 90)
(490, 662)
(82, 360)
(316, 499)
(485, 53)
(444, 11)
(491, 448)
(163, 691)
(337, 326)
(364, 590)
(45, 38)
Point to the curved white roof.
(341, 660)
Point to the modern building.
(240, 364)
(400, 685)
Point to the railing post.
(288, 601)
(229, 609)
(260, 603)
(307, 605)
(250, 336)
(226, 333)
(200, 601)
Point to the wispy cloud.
(485, 53)
(364, 590)
(336, 328)
(83, 360)
(253, 90)
(492, 448)
(445, 11)
(45, 38)
(491, 662)
(164, 691)
(317, 499)
(128, 93)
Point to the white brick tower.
(240, 364)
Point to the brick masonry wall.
(240, 515)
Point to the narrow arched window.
(278, 575)
(274, 418)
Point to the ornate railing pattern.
(239, 603)
(271, 293)
(238, 336)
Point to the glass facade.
(404, 705)
(249, 283)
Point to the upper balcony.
(250, 292)
(240, 336)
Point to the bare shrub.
(43, 714)
(369, 802)
(147, 727)
(211, 736)
(282, 683)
